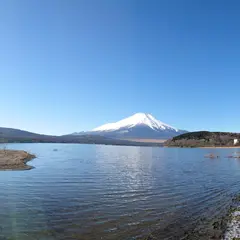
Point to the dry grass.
(146, 140)
(14, 160)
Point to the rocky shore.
(233, 226)
(15, 160)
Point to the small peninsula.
(205, 139)
(15, 160)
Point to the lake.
(116, 192)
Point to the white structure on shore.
(235, 141)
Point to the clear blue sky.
(68, 66)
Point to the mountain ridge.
(12, 135)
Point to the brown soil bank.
(15, 160)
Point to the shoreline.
(232, 230)
(221, 147)
(233, 147)
(225, 227)
(11, 160)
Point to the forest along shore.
(15, 160)
(205, 139)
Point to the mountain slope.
(12, 132)
(10, 135)
(138, 126)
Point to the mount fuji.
(137, 126)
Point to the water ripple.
(110, 192)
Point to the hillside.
(204, 139)
(10, 135)
(12, 132)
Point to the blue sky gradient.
(68, 66)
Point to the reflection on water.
(114, 192)
(129, 168)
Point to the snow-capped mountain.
(134, 120)
(137, 126)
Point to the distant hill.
(137, 126)
(204, 139)
(11, 132)
(11, 135)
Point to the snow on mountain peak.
(134, 120)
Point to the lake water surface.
(115, 192)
